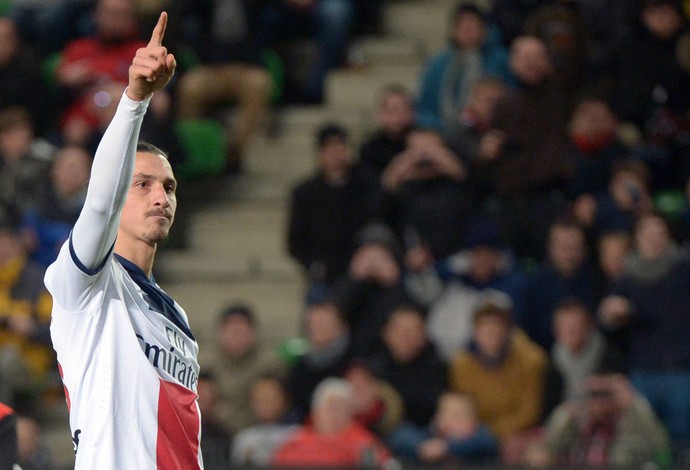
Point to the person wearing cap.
(372, 287)
(237, 359)
(484, 267)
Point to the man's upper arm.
(69, 282)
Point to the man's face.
(469, 31)
(150, 206)
(529, 60)
(652, 238)
(405, 335)
(572, 328)
(395, 113)
(490, 334)
(236, 336)
(335, 157)
(323, 325)
(116, 20)
(566, 249)
(333, 415)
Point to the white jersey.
(127, 357)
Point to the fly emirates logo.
(172, 358)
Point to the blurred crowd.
(498, 272)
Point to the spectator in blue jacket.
(475, 51)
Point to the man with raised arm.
(127, 356)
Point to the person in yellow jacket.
(502, 370)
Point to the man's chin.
(157, 236)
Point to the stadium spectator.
(275, 421)
(395, 114)
(327, 22)
(595, 145)
(21, 82)
(566, 273)
(579, 350)
(410, 364)
(230, 69)
(531, 171)
(627, 197)
(25, 347)
(484, 268)
(216, 440)
(372, 287)
(650, 304)
(612, 426)
(327, 354)
(454, 435)
(475, 142)
(25, 160)
(32, 451)
(238, 358)
(377, 405)
(475, 51)
(425, 198)
(502, 371)
(327, 210)
(88, 63)
(333, 438)
(49, 222)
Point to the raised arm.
(96, 228)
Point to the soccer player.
(127, 356)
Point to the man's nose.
(160, 196)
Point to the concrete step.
(278, 305)
(301, 122)
(358, 88)
(387, 50)
(424, 21)
(241, 240)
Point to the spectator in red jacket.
(333, 438)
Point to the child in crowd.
(275, 422)
(455, 434)
(627, 197)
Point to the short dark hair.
(328, 132)
(492, 309)
(465, 7)
(147, 147)
(238, 309)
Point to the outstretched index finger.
(159, 30)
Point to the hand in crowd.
(418, 258)
(432, 450)
(614, 311)
(490, 144)
(374, 263)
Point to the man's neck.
(142, 255)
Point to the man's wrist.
(129, 93)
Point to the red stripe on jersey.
(5, 411)
(177, 446)
(69, 402)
